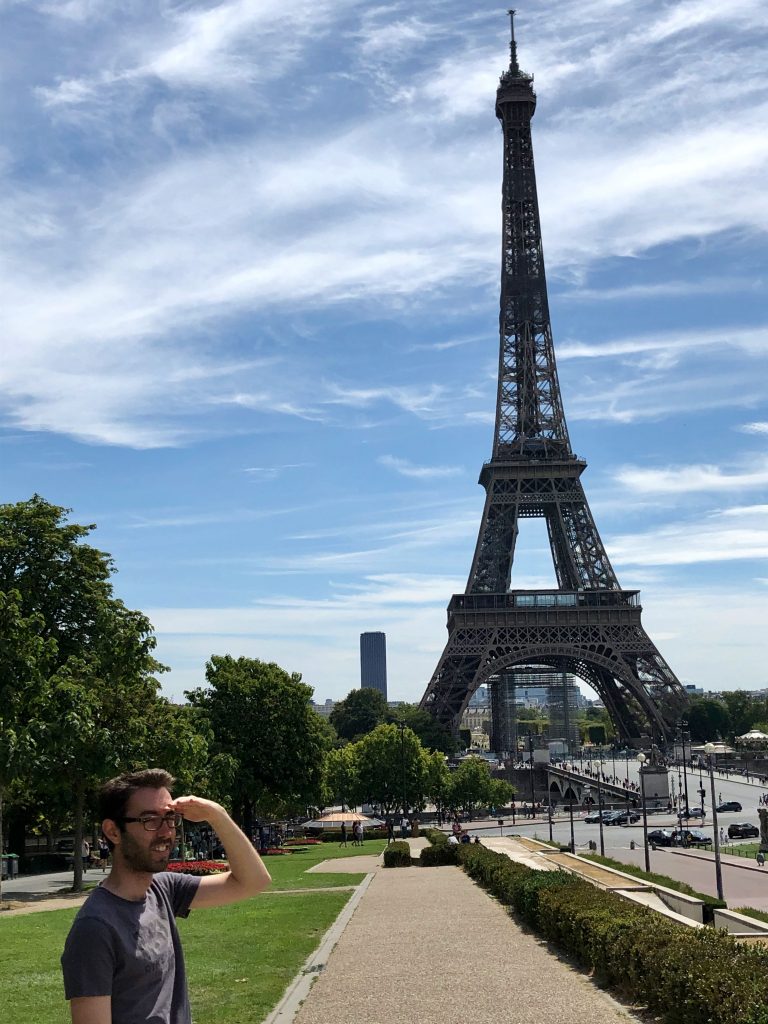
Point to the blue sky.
(249, 308)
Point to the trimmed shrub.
(397, 855)
(435, 836)
(681, 974)
(438, 855)
(333, 835)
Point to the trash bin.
(10, 867)
(631, 844)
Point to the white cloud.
(759, 427)
(732, 535)
(406, 468)
(687, 479)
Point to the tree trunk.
(77, 852)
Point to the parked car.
(691, 812)
(728, 805)
(661, 837)
(742, 830)
(692, 837)
(594, 817)
(623, 818)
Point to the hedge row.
(681, 974)
(440, 852)
(397, 855)
(333, 835)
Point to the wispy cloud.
(406, 468)
(687, 479)
(731, 535)
(760, 427)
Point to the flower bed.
(197, 867)
(276, 851)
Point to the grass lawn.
(239, 959)
(288, 871)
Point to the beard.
(143, 859)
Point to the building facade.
(373, 662)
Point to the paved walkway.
(430, 946)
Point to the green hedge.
(438, 855)
(397, 855)
(681, 974)
(333, 835)
(711, 903)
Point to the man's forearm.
(245, 865)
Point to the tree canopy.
(85, 667)
(359, 713)
(262, 721)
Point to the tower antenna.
(513, 65)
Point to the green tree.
(471, 785)
(392, 767)
(263, 723)
(433, 736)
(708, 720)
(437, 782)
(177, 739)
(596, 733)
(359, 713)
(341, 775)
(98, 676)
(501, 793)
(23, 660)
(743, 711)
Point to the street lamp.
(683, 725)
(642, 759)
(401, 726)
(530, 764)
(600, 805)
(709, 750)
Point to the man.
(122, 961)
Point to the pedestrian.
(390, 831)
(103, 854)
(86, 851)
(122, 959)
(722, 835)
(343, 834)
(404, 826)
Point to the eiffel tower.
(588, 626)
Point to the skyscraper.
(373, 662)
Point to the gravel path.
(429, 946)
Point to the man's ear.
(111, 831)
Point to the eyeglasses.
(154, 822)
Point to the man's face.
(140, 850)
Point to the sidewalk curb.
(732, 862)
(299, 988)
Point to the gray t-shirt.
(130, 950)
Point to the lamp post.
(709, 749)
(401, 727)
(530, 763)
(570, 813)
(600, 805)
(683, 725)
(642, 759)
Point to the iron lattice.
(589, 626)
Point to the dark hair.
(115, 794)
